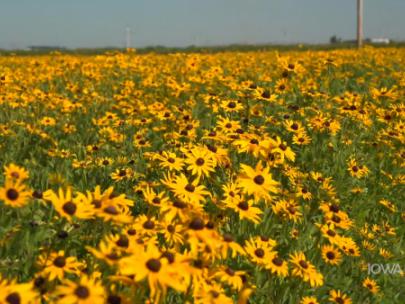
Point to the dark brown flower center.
(334, 208)
(230, 271)
(259, 180)
(154, 265)
(339, 300)
(96, 203)
(336, 218)
(200, 161)
(13, 298)
(330, 255)
(131, 231)
(37, 194)
(243, 205)
(123, 241)
(15, 174)
(82, 292)
(113, 299)
(215, 294)
(113, 256)
(70, 208)
(179, 204)
(196, 224)
(149, 224)
(171, 228)
(277, 261)
(60, 262)
(303, 264)
(331, 233)
(291, 210)
(282, 147)
(190, 188)
(231, 105)
(266, 94)
(111, 210)
(212, 148)
(259, 252)
(12, 194)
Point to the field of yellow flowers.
(232, 177)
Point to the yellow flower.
(149, 265)
(339, 297)
(245, 209)
(86, 291)
(371, 285)
(68, 206)
(14, 193)
(200, 162)
(23, 293)
(257, 181)
(331, 255)
(56, 265)
(13, 171)
(189, 192)
(304, 269)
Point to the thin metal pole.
(359, 23)
(128, 37)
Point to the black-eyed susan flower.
(277, 265)
(68, 206)
(16, 172)
(309, 300)
(257, 181)
(336, 296)
(56, 265)
(371, 285)
(12, 292)
(230, 277)
(14, 193)
(87, 290)
(200, 162)
(170, 160)
(331, 255)
(304, 269)
(187, 191)
(149, 265)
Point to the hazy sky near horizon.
(98, 23)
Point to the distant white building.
(380, 40)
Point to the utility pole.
(359, 23)
(128, 37)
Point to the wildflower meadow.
(208, 177)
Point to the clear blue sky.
(96, 23)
